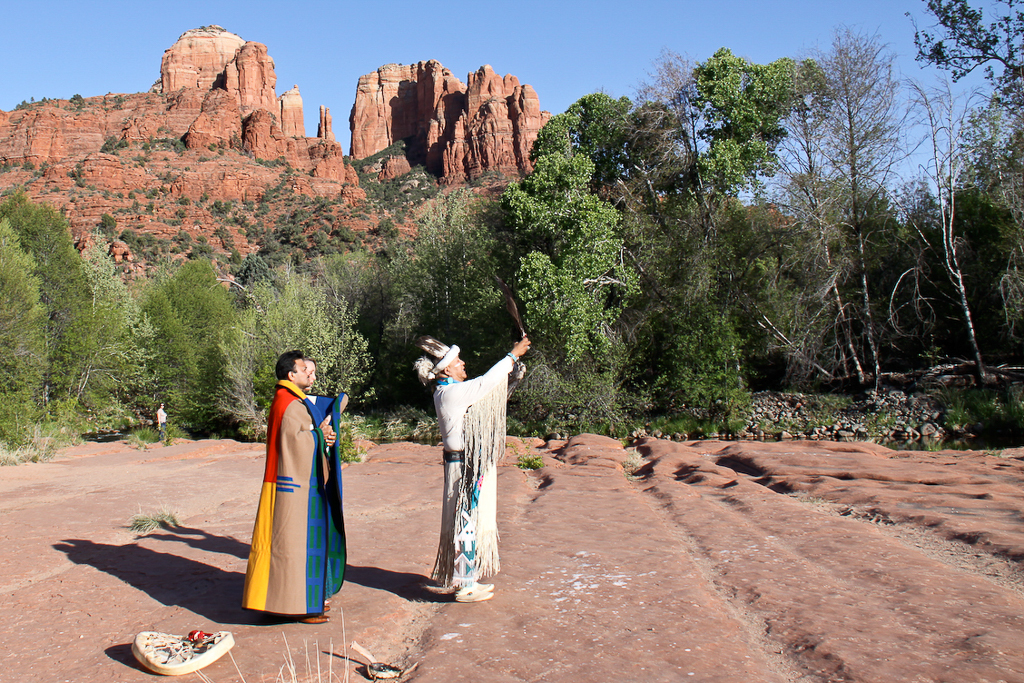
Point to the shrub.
(144, 523)
(108, 224)
(112, 144)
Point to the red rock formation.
(211, 58)
(527, 120)
(250, 76)
(198, 58)
(394, 167)
(416, 103)
(262, 136)
(120, 252)
(458, 131)
(292, 124)
(265, 140)
(323, 129)
(218, 123)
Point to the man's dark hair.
(286, 363)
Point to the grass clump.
(347, 450)
(144, 523)
(33, 452)
(632, 464)
(39, 443)
(141, 437)
(983, 410)
(525, 461)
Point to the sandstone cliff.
(458, 131)
(291, 113)
(198, 59)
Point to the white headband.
(452, 354)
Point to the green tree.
(22, 342)
(596, 126)
(63, 292)
(701, 134)
(450, 273)
(742, 105)
(190, 312)
(117, 359)
(968, 37)
(299, 315)
(572, 277)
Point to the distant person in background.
(297, 559)
(161, 422)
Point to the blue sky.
(564, 48)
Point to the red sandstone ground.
(745, 562)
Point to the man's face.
(299, 376)
(311, 371)
(456, 370)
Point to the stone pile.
(878, 416)
(889, 416)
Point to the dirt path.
(807, 562)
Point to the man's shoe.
(314, 619)
(475, 593)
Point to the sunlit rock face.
(457, 130)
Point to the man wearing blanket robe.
(297, 560)
(471, 418)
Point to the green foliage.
(969, 37)
(347, 450)
(742, 105)
(562, 397)
(64, 294)
(112, 144)
(22, 339)
(144, 435)
(984, 411)
(292, 314)
(252, 271)
(117, 358)
(573, 279)
(596, 126)
(108, 224)
(699, 365)
(192, 315)
(450, 275)
(529, 462)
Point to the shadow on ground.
(169, 579)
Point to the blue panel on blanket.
(320, 407)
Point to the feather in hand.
(510, 304)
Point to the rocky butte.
(457, 131)
(195, 159)
(216, 95)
